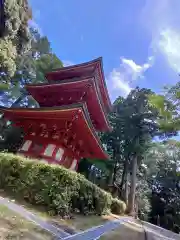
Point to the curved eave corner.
(100, 63)
(96, 62)
(93, 131)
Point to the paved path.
(92, 233)
(33, 218)
(153, 232)
(96, 232)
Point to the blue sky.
(139, 40)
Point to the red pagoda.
(73, 108)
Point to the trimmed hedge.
(117, 206)
(59, 190)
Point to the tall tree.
(31, 67)
(16, 38)
(134, 125)
(163, 177)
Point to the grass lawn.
(126, 231)
(13, 226)
(84, 222)
(77, 223)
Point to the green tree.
(168, 106)
(46, 63)
(134, 125)
(16, 38)
(32, 67)
(163, 178)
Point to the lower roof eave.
(83, 107)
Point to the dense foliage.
(168, 105)
(150, 168)
(134, 126)
(142, 173)
(164, 180)
(59, 190)
(16, 38)
(30, 68)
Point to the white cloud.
(169, 45)
(122, 79)
(116, 81)
(161, 18)
(67, 63)
(134, 70)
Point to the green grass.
(13, 226)
(126, 231)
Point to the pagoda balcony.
(61, 135)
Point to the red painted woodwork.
(67, 159)
(68, 127)
(89, 69)
(84, 90)
(73, 104)
(40, 154)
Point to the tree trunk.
(122, 185)
(131, 200)
(115, 167)
(124, 174)
(126, 190)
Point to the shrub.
(118, 206)
(59, 190)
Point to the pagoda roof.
(72, 119)
(74, 91)
(89, 69)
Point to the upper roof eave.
(96, 62)
(49, 85)
(92, 62)
(100, 61)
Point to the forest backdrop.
(143, 172)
